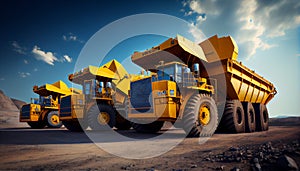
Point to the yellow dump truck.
(247, 92)
(43, 111)
(183, 87)
(101, 105)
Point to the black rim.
(239, 116)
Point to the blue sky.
(41, 40)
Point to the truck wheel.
(200, 116)
(233, 119)
(101, 117)
(262, 117)
(122, 123)
(37, 124)
(53, 120)
(250, 124)
(148, 128)
(73, 126)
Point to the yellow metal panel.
(217, 49)
(235, 48)
(78, 102)
(75, 90)
(58, 87)
(35, 111)
(243, 91)
(51, 107)
(191, 47)
(165, 107)
(265, 98)
(61, 85)
(241, 78)
(260, 96)
(142, 116)
(119, 97)
(101, 71)
(182, 50)
(121, 77)
(236, 84)
(254, 96)
(164, 85)
(249, 94)
(91, 72)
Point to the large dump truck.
(102, 103)
(43, 111)
(247, 92)
(183, 89)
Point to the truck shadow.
(27, 136)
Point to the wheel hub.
(54, 119)
(103, 118)
(204, 115)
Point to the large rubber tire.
(148, 128)
(53, 120)
(95, 113)
(191, 123)
(233, 119)
(250, 124)
(73, 126)
(121, 122)
(37, 124)
(262, 117)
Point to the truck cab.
(43, 111)
(104, 89)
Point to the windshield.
(174, 70)
(169, 70)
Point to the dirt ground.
(59, 149)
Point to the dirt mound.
(288, 121)
(9, 112)
(6, 104)
(18, 103)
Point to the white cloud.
(252, 23)
(188, 13)
(35, 69)
(72, 37)
(17, 48)
(65, 37)
(67, 58)
(25, 61)
(250, 30)
(47, 57)
(201, 18)
(208, 7)
(24, 74)
(2, 79)
(196, 33)
(298, 54)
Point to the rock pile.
(261, 157)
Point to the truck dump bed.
(219, 56)
(242, 83)
(112, 70)
(57, 88)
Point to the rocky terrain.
(59, 149)
(18, 103)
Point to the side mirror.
(108, 85)
(196, 70)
